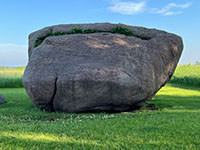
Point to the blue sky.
(18, 18)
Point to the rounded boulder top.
(100, 67)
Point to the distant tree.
(197, 63)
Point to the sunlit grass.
(188, 70)
(179, 90)
(178, 97)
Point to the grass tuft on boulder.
(76, 30)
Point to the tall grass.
(187, 74)
(11, 77)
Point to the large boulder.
(101, 71)
(2, 99)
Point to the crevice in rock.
(54, 93)
(73, 90)
(127, 73)
(111, 91)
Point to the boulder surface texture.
(99, 72)
(2, 99)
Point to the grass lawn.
(175, 125)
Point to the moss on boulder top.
(76, 30)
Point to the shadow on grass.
(187, 87)
(187, 80)
(178, 102)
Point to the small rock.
(2, 99)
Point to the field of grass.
(11, 77)
(174, 125)
(187, 74)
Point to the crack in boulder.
(54, 94)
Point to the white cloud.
(13, 55)
(115, 1)
(184, 5)
(132, 8)
(128, 8)
(169, 13)
(171, 9)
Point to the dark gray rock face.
(100, 71)
(2, 99)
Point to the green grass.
(127, 32)
(76, 30)
(187, 74)
(175, 125)
(11, 77)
